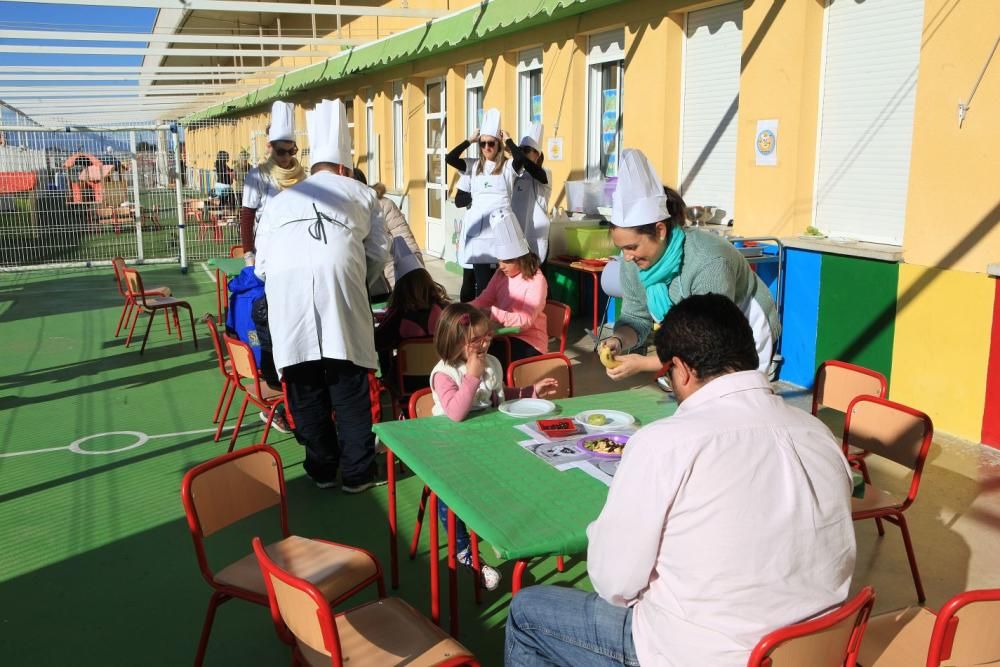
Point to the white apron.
(530, 201)
(489, 193)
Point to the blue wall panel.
(801, 316)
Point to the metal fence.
(82, 196)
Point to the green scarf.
(657, 278)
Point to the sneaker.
(332, 484)
(279, 423)
(363, 486)
(488, 576)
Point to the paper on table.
(564, 455)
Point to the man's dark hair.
(360, 176)
(710, 334)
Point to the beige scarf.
(284, 178)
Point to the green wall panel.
(857, 312)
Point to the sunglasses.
(487, 144)
(282, 152)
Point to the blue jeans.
(553, 625)
(461, 532)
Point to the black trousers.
(475, 280)
(315, 390)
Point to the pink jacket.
(519, 302)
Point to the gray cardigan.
(711, 265)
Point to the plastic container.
(584, 196)
(589, 241)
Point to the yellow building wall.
(952, 214)
(942, 342)
(780, 79)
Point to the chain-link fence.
(170, 193)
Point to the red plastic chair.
(900, 434)
(386, 631)
(415, 358)
(229, 488)
(964, 632)
(259, 393)
(118, 264)
(145, 304)
(526, 372)
(831, 640)
(557, 317)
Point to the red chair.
(236, 251)
(225, 368)
(150, 305)
(415, 359)
(227, 489)
(902, 435)
(526, 372)
(386, 631)
(118, 264)
(259, 393)
(964, 632)
(832, 640)
(557, 317)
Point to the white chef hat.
(282, 122)
(403, 259)
(509, 239)
(329, 136)
(639, 198)
(491, 123)
(533, 136)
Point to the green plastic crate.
(589, 241)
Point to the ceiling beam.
(124, 91)
(138, 69)
(180, 38)
(128, 77)
(164, 51)
(265, 7)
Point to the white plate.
(527, 407)
(812, 237)
(616, 420)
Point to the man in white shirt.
(320, 245)
(724, 522)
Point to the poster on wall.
(766, 143)
(554, 149)
(609, 127)
(536, 108)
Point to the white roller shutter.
(712, 53)
(870, 61)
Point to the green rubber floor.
(96, 563)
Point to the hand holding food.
(607, 356)
(630, 364)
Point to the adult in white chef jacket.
(492, 185)
(281, 170)
(322, 243)
(532, 190)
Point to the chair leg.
(149, 327)
(910, 556)
(225, 411)
(477, 568)
(131, 329)
(194, 333)
(267, 424)
(863, 469)
(177, 323)
(222, 397)
(420, 520)
(239, 422)
(121, 318)
(206, 629)
(560, 564)
(166, 320)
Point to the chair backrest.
(831, 640)
(118, 264)
(243, 362)
(421, 403)
(213, 332)
(838, 383)
(299, 606)
(133, 285)
(526, 372)
(236, 251)
(557, 318)
(416, 356)
(965, 632)
(888, 429)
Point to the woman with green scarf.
(281, 170)
(664, 263)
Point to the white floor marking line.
(140, 440)
(210, 272)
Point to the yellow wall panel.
(943, 322)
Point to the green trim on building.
(485, 21)
(857, 312)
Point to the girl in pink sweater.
(467, 379)
(515, 296)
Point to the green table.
(505, 494)
(224, 267)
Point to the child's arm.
(523, 309)
(456, 400)
(540, 389)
